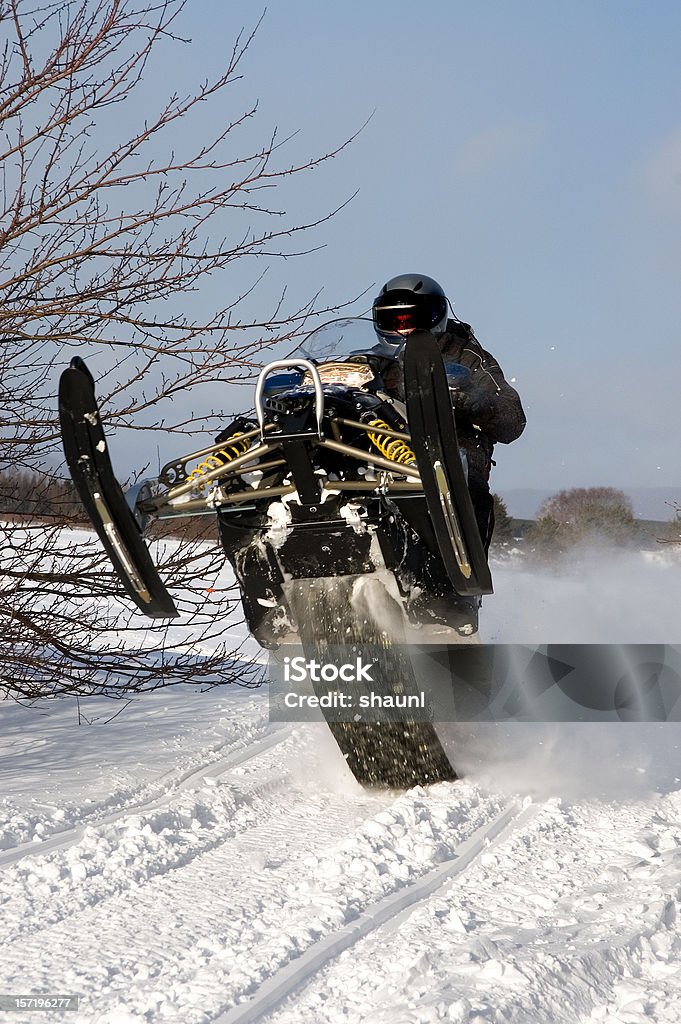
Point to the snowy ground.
(188, 862)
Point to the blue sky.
(525, 154)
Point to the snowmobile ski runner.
(87, 456)
(435, 443)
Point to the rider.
(487, 408)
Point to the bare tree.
(114, 222)
(573, 516)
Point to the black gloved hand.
(467, 403)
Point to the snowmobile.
(344, 512)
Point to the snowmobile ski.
(436, 446)
(87, 456)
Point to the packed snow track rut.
(385, 912)
(571, 917)
(83, 866)
(170, 784)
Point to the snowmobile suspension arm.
(220, 471)
(369, 428)
(164, 505)
(178, 467)
(208, 506)
(376, 460)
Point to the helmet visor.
(397, 312)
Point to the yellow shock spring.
(234, 446)
(391, 447)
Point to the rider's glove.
(467, 403)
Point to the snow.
(591, 597)
(187, 861)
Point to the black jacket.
(502, 417)
(499, 415)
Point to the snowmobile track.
(211, 770)
(296, 974)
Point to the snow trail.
(219, 890)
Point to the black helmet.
(408, 303)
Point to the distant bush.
(571, 517)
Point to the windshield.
(340, 339)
